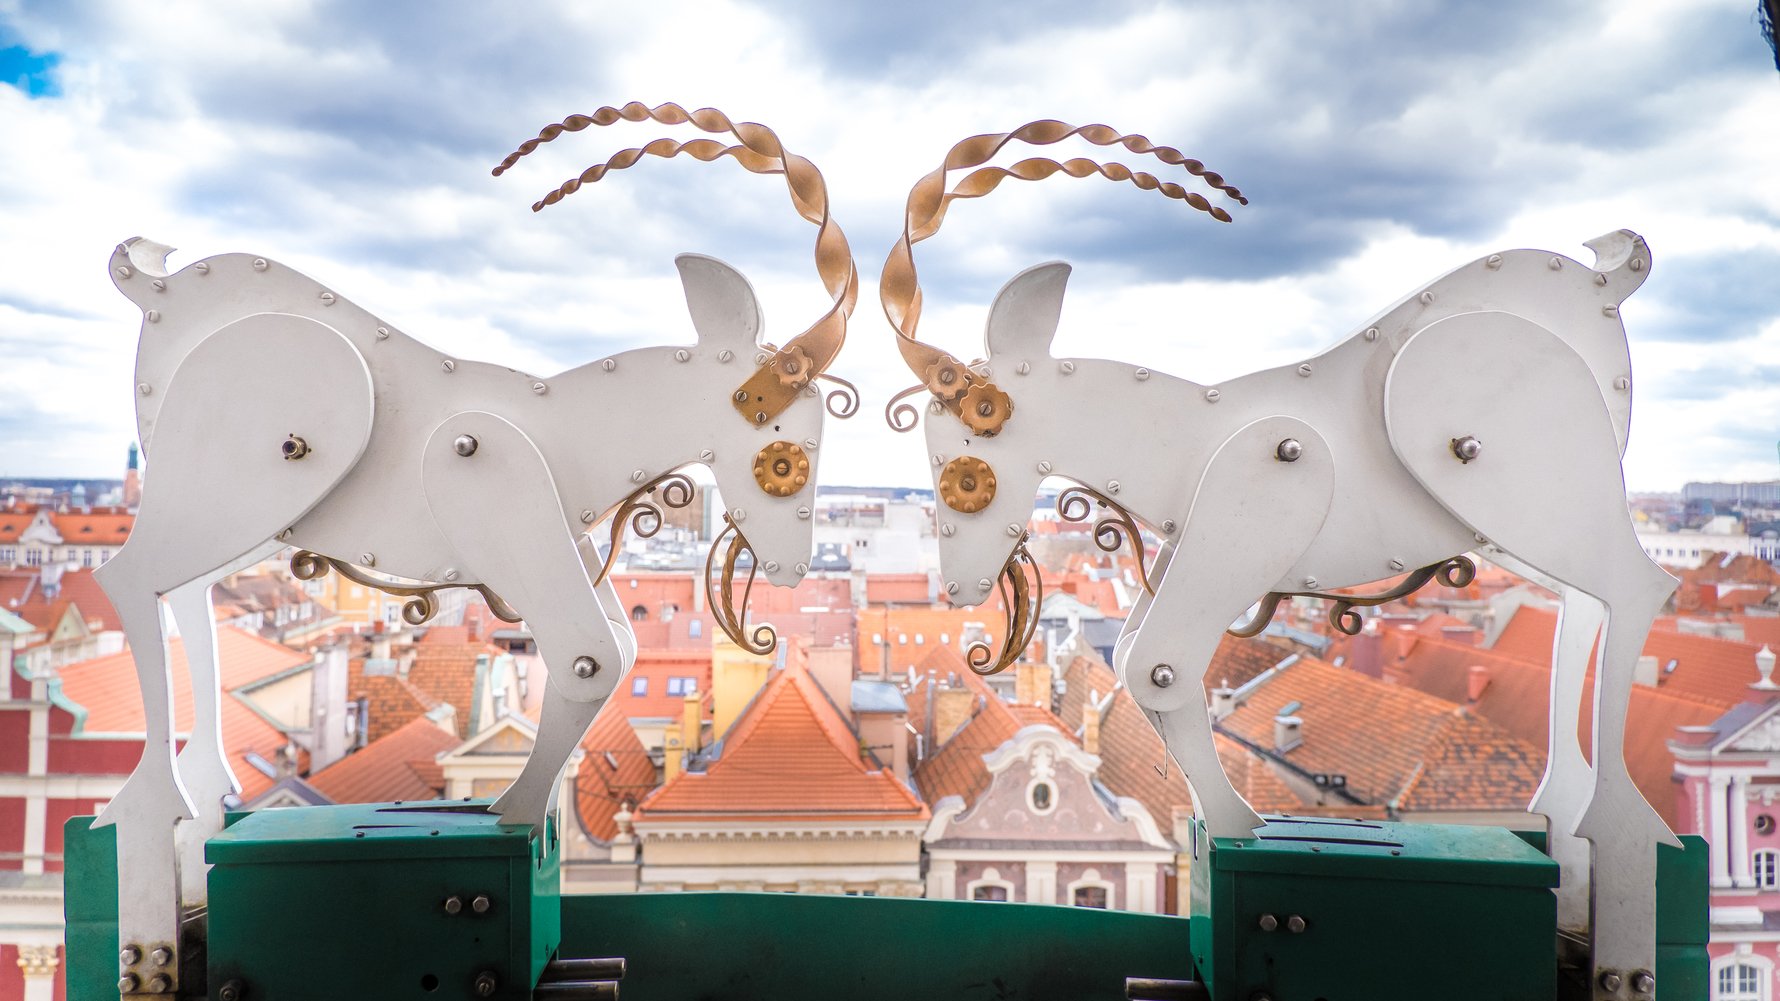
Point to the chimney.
(624, 843)
(690, 724)
(1764, 665)
(673, 754)
(1365, 652)
(1288, 732)
(380, 646)
(1090, 727)
(1477, 679)
(1645, 674)
(1223, 702)
(950, 711)
(1032, 684)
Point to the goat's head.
(998, 426)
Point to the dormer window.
(1043, 797)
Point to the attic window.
(1042, 797)
(1764, 823)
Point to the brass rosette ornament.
(788, 371)
(782, 468)
(967, 484)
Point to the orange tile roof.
(791, 754)
(446, 671)
(957, 769)
(105, 687)
(897, 589)
(1707, 669)
(1254, 777)
(401, 766)
(394, 701)
(446, 636)
(1130, 751)
(104, 526)
(616, 770)
(79, 587)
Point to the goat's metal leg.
(1252, 517)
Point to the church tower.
(133, 480)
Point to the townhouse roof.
(80, 587)
(898, 589)
(958, 769)
(447, 671)
(615, 770)
(402, 765)
(1133, 761)
(102, 695)
(99, 525)
(1705, 668)
(392, 700)
(791, 754)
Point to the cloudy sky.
(1381, 142)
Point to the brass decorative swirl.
(904, 416)
(899, 288)
(721, 591)
(1023, 600)
(1076, 504)
(642, 515)
(1456, 572)
(421, 606)
(760, 152)
(842, 401)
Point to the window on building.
(1090, 896)
(994, 893)
(1042, 794)
(680, 686)
(639, 614)
(1764, 822)
(1740, 982)
(639, 686)
(1767, 869)
(6, 555)
(33, 557)
(695, 629)
(86, 558)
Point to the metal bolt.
(1013, 530)
(1644, 982)
(126, 984)
(1067, 368)
(1142, 374)
(951, 587)
(1044, 467)
(608, 365)
(1426, 298)
(803, 512)
(540, 388)
(230, 991)
(480, 904)
(1397, 565)
(948, 530)
(1168, 527)
(465, 445)
(451, 575)
(327, 299)
(1289, 450)
(1211, 395)
(1600, 279)
(1162, 675)
(585, 667)
(129, 955)
(1494, 262)
(770, 566)
(1610, 310)
(1304, 370)
(636, 476)
(448, 365)
(1022, 368)
(1555, 264)
(161, 955)
(382, 333)
(123, 272)
(1467, 448)
(1268, 922)
(1372, 333)
(984, 584)
(682, 355)
(1610, 981)
(1622, 384)
(801, 569)
(153, 316)
(159, 286)
(485, 984)
(367, 559)
(259, 264)
(738, 516)
(726, 356)
(453, 905)
(159, 984)
(294, 448)
(1294, 924)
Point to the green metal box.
(387, 901)
(1342, 910)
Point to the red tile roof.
(616, 770)
(957, 768)
(446, 671)
(791, 754)
(897, 589)
(393, 700)
(1707, 669)
(401, 766)
(1130, 751)
(79, 587)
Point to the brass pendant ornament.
(782, 468)
(967, 484)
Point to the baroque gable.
(1764, 736)
(1042, 789)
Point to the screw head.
(1067, 368)
(803, 512)
(682, 355)
(540, 388)
(727, 355)
(1426, 298)
(706, 455)
(485, 984)
(1622, 384)
(1310, 582)
(144, 388)
(801, 569)
(1397, 565)
(451, 575)
(1494, 262)
(1304, 370)
(948, 530)
(741, 396)
(1162, 675)
(1644, 982)
(1142, 374)
(368, 559)
(465, 445)
(585, 667)
(259, 264)
(453, 905)
(1212, 396)
(984, 584)
(770, 566)
(153, 316)
(1013, 530)
(448, 365)
(1372, 333)
(738, 516)
(231, 991)
(1268, 922)
(294, 448)
(636, 476)
(1112, 486)
(1289, 450)
(1467, 448)
(382, 333)
(1295, 924)
(328, 299)
(587, 516)
(609, 365)
(951, 587)
(481, 904)
(123, 271)
(1600, 279)
(129, 955)
(1555, 264)
(1023, 368)
(1168, 527)
(1044, 468)
(1637, 264)
(1609, 310)
(1610, 979)
(161, 955)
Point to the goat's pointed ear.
(1023, 320)
(724, 310)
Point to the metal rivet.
(327, 299)
(1372, 333)
(948, 530)
(144, 388)
(124, 272)
(1644, 982)
(1022, 368)
(1426, 298)
(1310, 582)
(259, 264)
(1610, 981)
(202, 267)
(682, 355)
(1467, 448)
(706, 455)
(154, 316)
(984, 584)
(1609, 310)
(1494, 262)
(1112, 486)
(159, 984)
(951, 587)
(1162, 675)
(1067, 368)
(159, 286)
(1142, 374)
(126, 984)
(1397, 565)
(727, 355)
(801, 569)
(1211, 395)
(1044, 467)
(803, 512)
(1622, 383)
(1555, 264)
(610, 364)
(738, 516)
(367, 559)
(540, 388)
(1168, 527)
(480, 904)
(1289, 450)
(448, 365)
(382, 333)
(453, 905)
(1268, 922)
(1294, 924)
(585, 667)
(129, 955)
(465, 445)
(485, 984)
(1013, 530)
(1600, 279)
(770, 566)
(161, 955)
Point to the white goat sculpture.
(279, 413)
(1411, 442)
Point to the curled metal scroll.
(421, 606)
(773, 385)
(720, 588)
(842, 401)
(641, 513)
(1023, 599)
(899, 288)
(1076, 504)
(1456, 572)
(904, 416)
